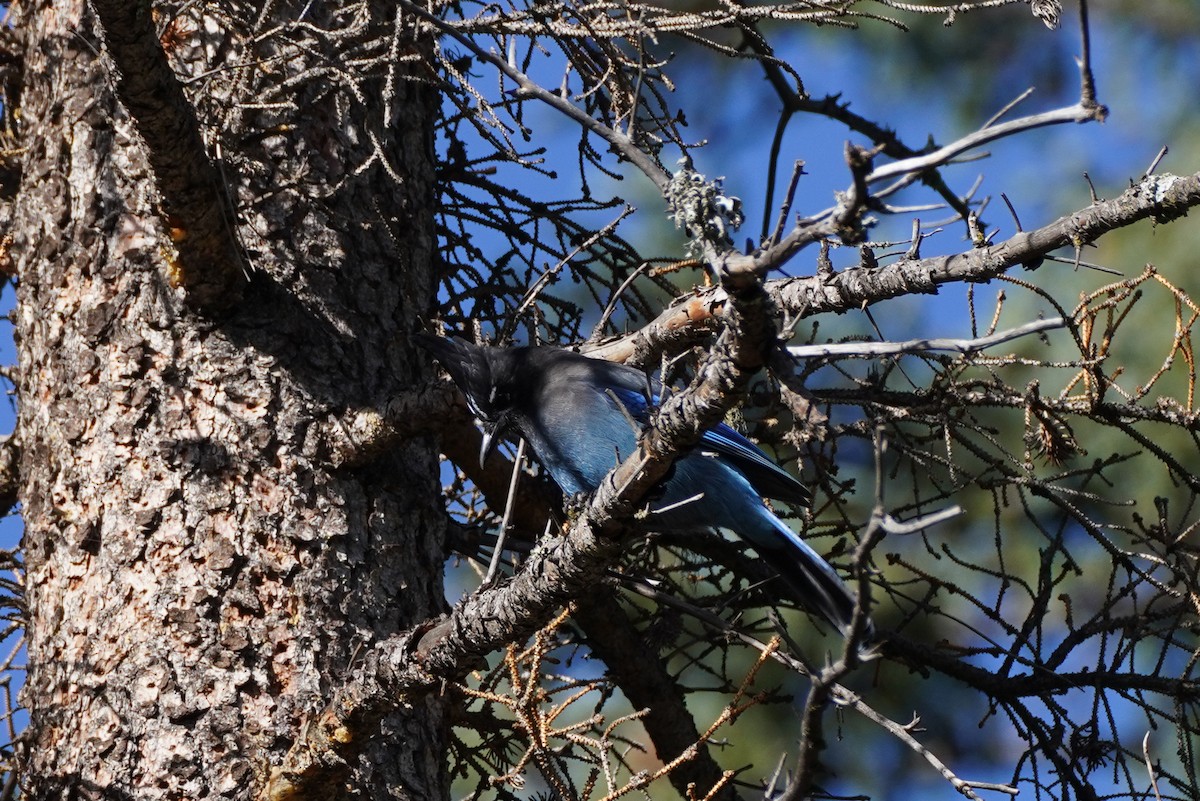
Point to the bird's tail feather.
(812, 581)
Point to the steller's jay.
(577, 416)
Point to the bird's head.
(487, 379)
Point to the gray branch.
(872, 349)
(1080, 112)
(1160, 198)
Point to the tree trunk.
(198, 575)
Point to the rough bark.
(199, 576)
(192, 194)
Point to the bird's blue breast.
(579, 442)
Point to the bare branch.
(620, 141)
(1086, 110)
(894, 526)
(904, 735)
(505, 521)
(1161, 198)
(869, 349)
(1080, 112)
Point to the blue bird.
(579, 417)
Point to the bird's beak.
(492, 436)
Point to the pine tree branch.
(1161, 198)
(645, 681)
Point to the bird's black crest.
(470, 368)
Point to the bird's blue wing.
(634, 402)
(767, 478)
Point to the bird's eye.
(499, 399)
